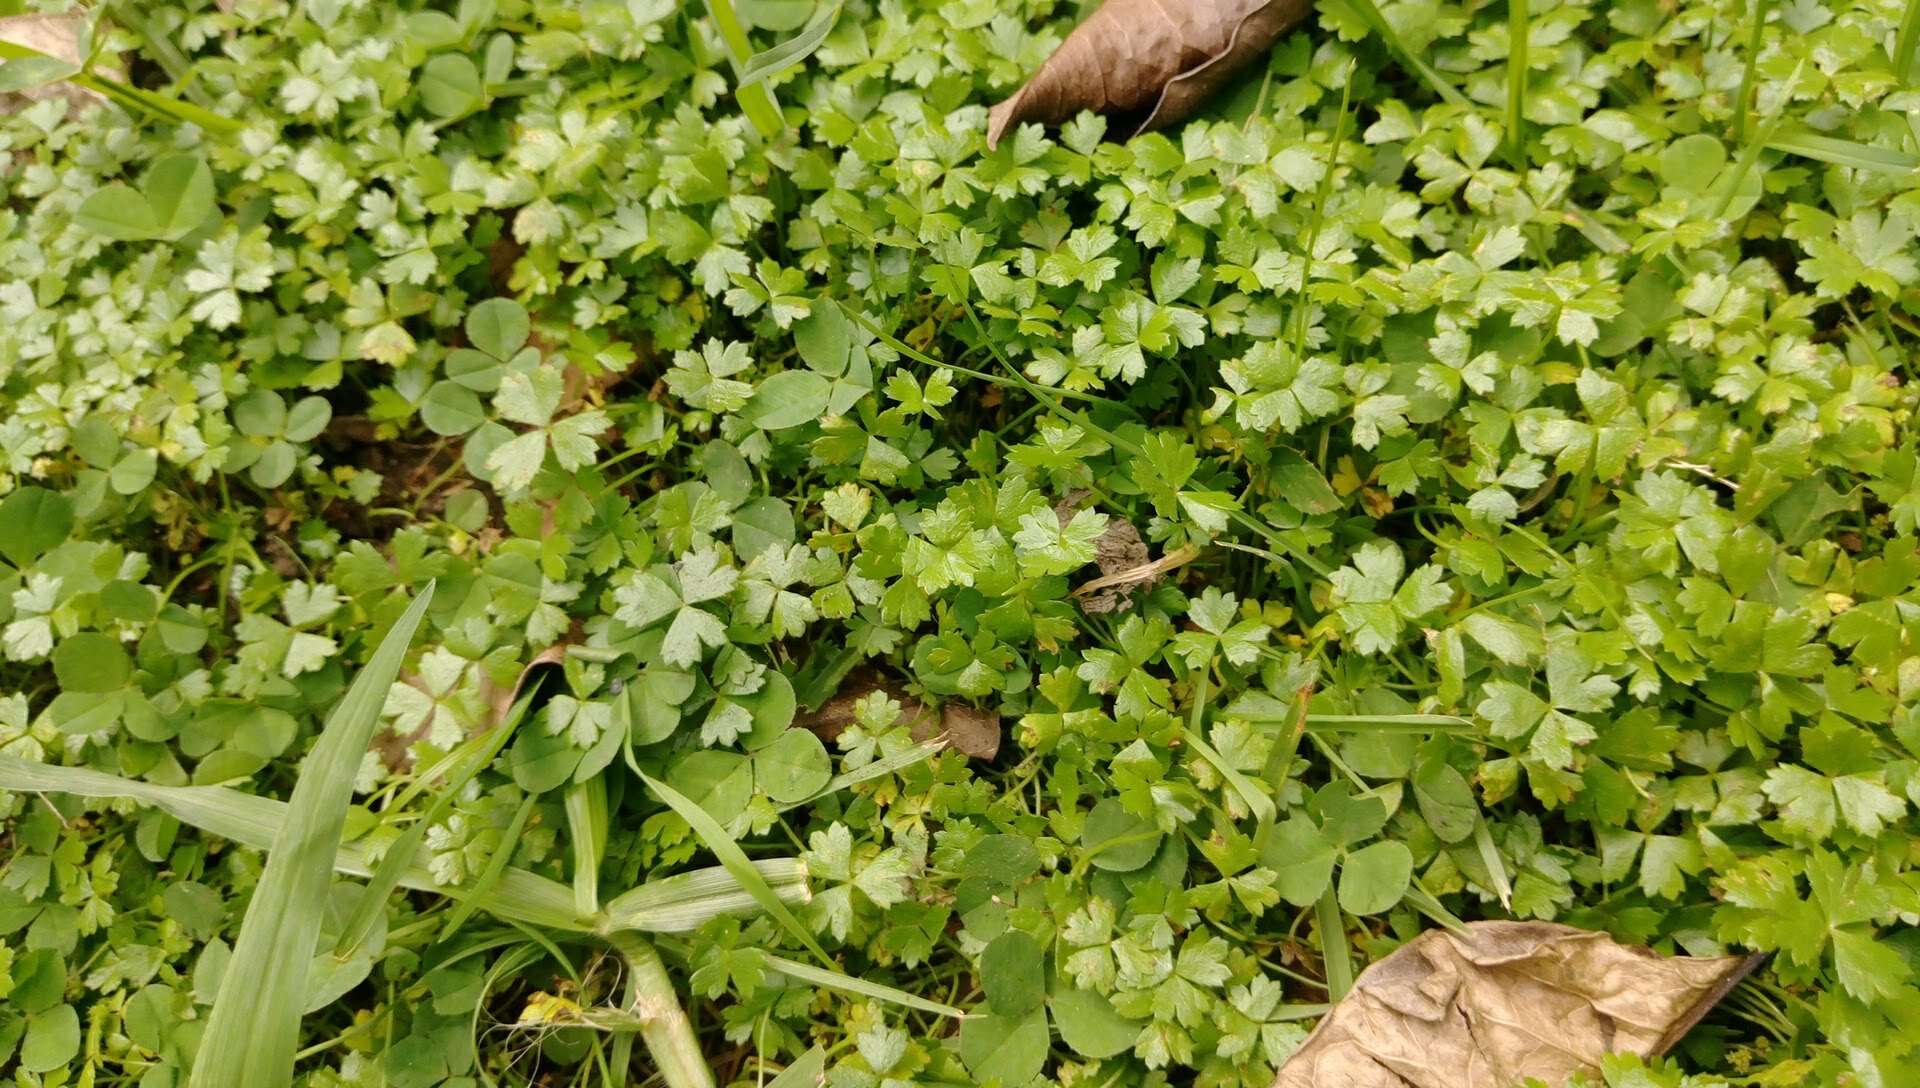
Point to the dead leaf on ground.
(970, 730)
(1149, 61)
(502, 699)
(1121, 553)
(834, 715)
(1110, 591)
(1505, 1001)
(396, 749)
(56, 36)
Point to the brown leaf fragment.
(1109, 591)
(968, 729)
(1504, 1001)
(501, 699)
(56, 36)
(1121, 553)
(834, 715)
(1151, 62)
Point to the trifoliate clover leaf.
(1214, 612)
(704, 379)
(529, 397)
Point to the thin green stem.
(1745, 93)
(171, 60)
(1903, 46)
(1519, 27)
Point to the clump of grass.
(254, 1029)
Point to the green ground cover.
(1521, 444)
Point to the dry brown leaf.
(1123, 581)
(1125, 564)
(834, 715)
(502, 699)
(1151, 62)
(56, 36)
(1505, 1001)
(970, 730)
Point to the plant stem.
(1903, 45)
(666, 1031)
(165, 53)
(1519, 21)
(756, 101)
(1746, 76)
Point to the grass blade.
(809, 1070)
(1387, 723)
(683, 903)
(1256, 800)
(1424, 901)
(834, 980)
(885, 765)
(792, 51)
(756, 100)
(1335, 957)
(254, 1029)
(586, 804)
(1811, 145)
(723, 847)
(467, 761)
(1745, 93)
(495, 872)
(134, 99)
(1496, 869)
(1903, 45)
(256, 821)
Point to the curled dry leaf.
(1150, 62)
(1504, 1001)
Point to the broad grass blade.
(723, 847)
(675, 904)
(586, 805)
(809, 1070)
(683, 903)
(254, 1029)
(1811, 145)
(466, 761)
(792, 51)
